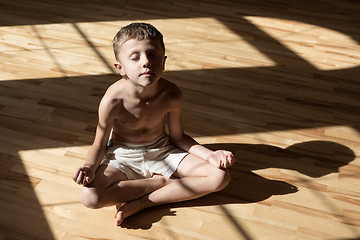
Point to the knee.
(90, 198)
(220, 179)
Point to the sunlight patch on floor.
(324, 48)
(78, 49)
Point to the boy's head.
(138, 31)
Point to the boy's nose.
(146, 62)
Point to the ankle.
(144, 202)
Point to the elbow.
(175, 140)
(98, 147)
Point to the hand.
(221, 158)
(84, 175)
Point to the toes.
(119, 215)
(118, 219)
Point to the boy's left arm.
(219, 158)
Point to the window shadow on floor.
(21, 214)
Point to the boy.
(143, 165)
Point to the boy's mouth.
(146, 74)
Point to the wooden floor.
(275, 82)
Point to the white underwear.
(144, 160)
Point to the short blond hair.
(138, 31)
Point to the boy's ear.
(120, 68)
(165, 57)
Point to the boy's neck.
(143, 93)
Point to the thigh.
(106, 176)
(192, 166)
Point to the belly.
(137, 134)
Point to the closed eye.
(134, 57)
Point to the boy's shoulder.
(170, 87)
(114, 89)
(113, 94)
(116, 86)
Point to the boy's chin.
(149, 81)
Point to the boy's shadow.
(312, 159)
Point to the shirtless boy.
(145, 166)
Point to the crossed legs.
(195, 178)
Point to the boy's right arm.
(86, 174)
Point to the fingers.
(229, 155)
(83, 176)
(87, 180)
(225, 164)
(228, 159)
(76, 174)
(79, 176)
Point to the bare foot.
(130, 208)
(126, 210)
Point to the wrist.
(90, 166)
(209, 155)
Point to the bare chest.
(142, 115)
